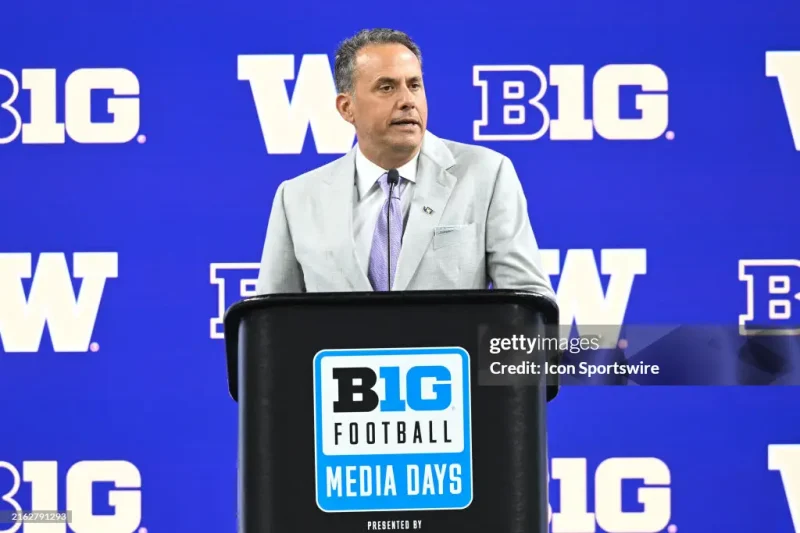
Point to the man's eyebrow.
(389, 79)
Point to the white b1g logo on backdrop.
(43, 128)
(44, 486)
(573, 515)
(655, 495)
(512, 109)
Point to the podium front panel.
(373, 417)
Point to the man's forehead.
(374, 58)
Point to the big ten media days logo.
(577, 275)
(621, 102)
(97, 106)
(52, 300)
(772, 296)
(785, 67)
(49, 486)
(392, 429)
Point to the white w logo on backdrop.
(786, 67)
(284, 120)
(580, 294)
(785, 459)
(52, 300)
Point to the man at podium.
(404, 209)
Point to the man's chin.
(406, 140)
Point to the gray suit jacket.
(476, 229)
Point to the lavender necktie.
(387, 238)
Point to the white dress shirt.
(368, 200)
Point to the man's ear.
(344, 104)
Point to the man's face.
(389, 109)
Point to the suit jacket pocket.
(451, 235)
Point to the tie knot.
(384, 183)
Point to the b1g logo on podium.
(392, 429)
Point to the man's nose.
(406, 99)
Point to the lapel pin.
(427, 210)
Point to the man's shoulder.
(472, 156)
(479, 168)
(309, 180)
(474, 151)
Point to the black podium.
(385, 412)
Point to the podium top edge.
(495, 296)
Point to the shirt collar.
(368, 173)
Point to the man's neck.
(388, 160)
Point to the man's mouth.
(405, 122)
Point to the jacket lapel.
(336, 203)
(433, 189)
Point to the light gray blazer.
(475, 229)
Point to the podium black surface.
(449, 447)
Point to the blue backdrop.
(140, 147)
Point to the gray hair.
(344, 65)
